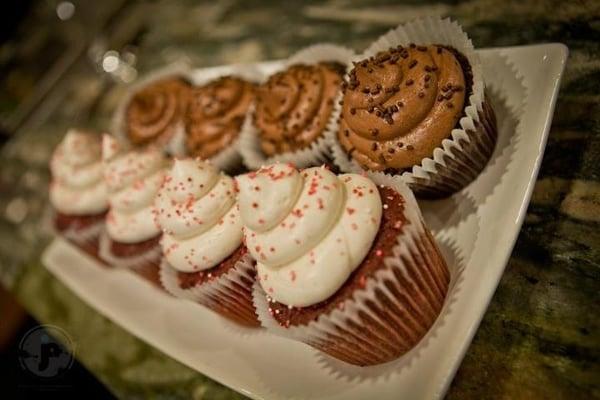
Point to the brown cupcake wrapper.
(459, 165)
(319, 151)
(229, 295)
(395, 309)
(460, 158)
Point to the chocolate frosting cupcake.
(214, 115)
(399, 105)
(294, 106)
(155, 112)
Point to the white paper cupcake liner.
(395, 308)
(460, 158)
(340, 370)
(229, 295)
(150, 257)
(229, 159)
(318, 152)
(118, 124)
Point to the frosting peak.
(267, 195)
(319, 228)
(197, 211)
(77, 187)
(190, 178)
(80, 148)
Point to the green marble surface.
(540, 337)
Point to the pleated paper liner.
(318, 152)
(395, 308)
(145, 264)
(461, 157)
(229, 294)
(173, 144)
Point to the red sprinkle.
(362, 282)
(320, 203)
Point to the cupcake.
(294, 109)
(343, 264)
(415, 109)
(133, 179)
(214, 117)
(204, 257)
(77, 191)
(154, 113)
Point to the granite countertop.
(540, 337)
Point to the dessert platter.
(332, 225)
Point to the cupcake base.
(143, 258)
(226, 289)
(387, 305)
(82, 231)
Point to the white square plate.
(476, 229)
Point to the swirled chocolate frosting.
(294, 106)
(399, 105)
(154, 112)
(215, 114)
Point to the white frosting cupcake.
(77, 188)
(307, 230)
(133, 178)
(197, 210)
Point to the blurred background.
(67, 63)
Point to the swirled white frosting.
(197, 210)
(77, 187)
(307, 230)
(133, 179)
